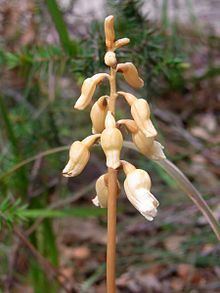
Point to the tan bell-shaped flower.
(98, 114)
(109, 32)
(137, 188)
(101, 198)
(146, 145)
(111, 142)
(88, 89)
(110, 59)
(130, 74)
(121, 42)
(79, 155)
(143, 143)
(140, 112)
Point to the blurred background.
(47, 48)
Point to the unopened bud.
(111, 142)
(109, 32)
(130, 74)
(98, 114)
(121, 42)
(110, 59)
(79, 155)
(88, 90)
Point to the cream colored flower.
(140, 112)
(88, 90)
(111, 142)
(79, 155)
(101, 198)
(137, 188)
(98, 114)
(130, 74)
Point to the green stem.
(69, 46)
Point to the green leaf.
(69, 46)
(81, 212)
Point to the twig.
(31, 159)
(60, 203)
(188, 187)
(46, 265)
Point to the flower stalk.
(106, 130)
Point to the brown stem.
(112, 203)
(113, 93)
(111, 238)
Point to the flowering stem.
(112, 202)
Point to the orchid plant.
(106, 131)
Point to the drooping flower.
(137, 188)
(101, 198)
(146, 145)
(88, 89)
(98, 114)
(140, 112)
(130, 74)
(79, 155)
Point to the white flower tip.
(157, 152)
(95, 201)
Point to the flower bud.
(98, 114)
(121, 42)
(79, 155)
(88, 89)
(140, 112)
(109, 32)
(111, 142)
(137, 188)
(110, 59)
(130, 74)
(101, 187)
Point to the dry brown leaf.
(173, 243)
